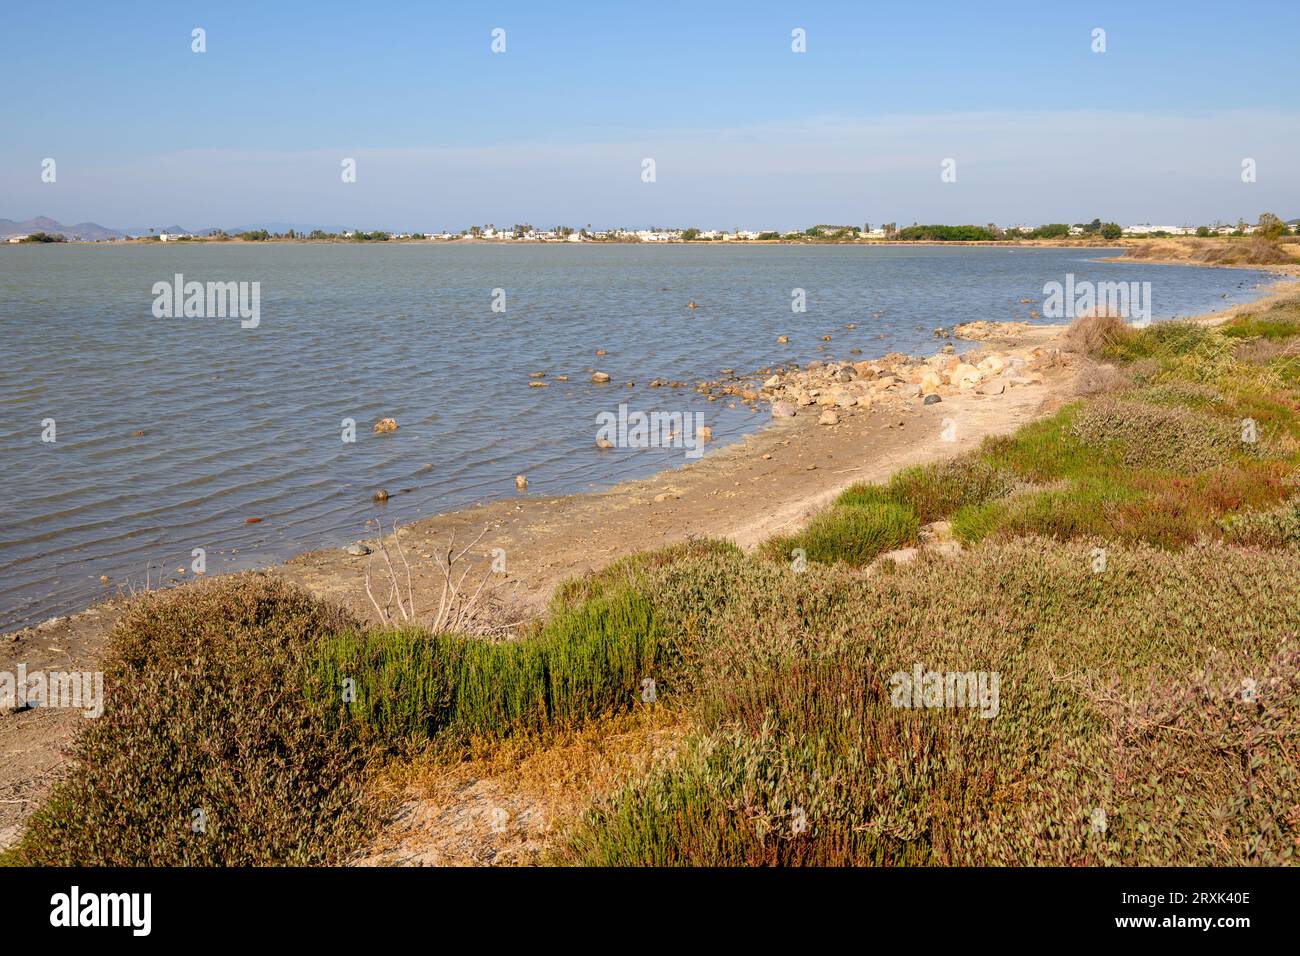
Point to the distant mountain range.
(82, 230)
(93, 230)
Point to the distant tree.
(769, 235)
(45, 237)
(1052, 230)
(944, 233)
(1111, 230)
(1203, 231)
(1270, 227)
(689, 235)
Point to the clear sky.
(744, 132)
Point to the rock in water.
(600, 378)
(385, 425)
(381, 495)
(521, 482)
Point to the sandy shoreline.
(769, 482)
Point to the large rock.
(783, 410)
(828, 418)
(963, 376)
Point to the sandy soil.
(770, 482)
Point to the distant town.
(1268, 224)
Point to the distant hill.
(81, 230)
(92, 230)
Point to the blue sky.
(743, 131)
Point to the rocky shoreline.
(894, 381)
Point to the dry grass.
(506, 801)
(1100, 379)
(1096, 333)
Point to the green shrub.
(206, 720)
(939, 490)
(1119, 690)
(1155, 436)
(586, 661)
(1275, 528)
(853, 534)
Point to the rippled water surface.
(242, 423)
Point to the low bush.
(1156, 436)
(1275, 528)
(209, 751)
(586, 661)
(1119, 691)
(1097, 334)
(853, 534)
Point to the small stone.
(783, 410)
(359, 549)
(829, 418)
(601, 352)
(932, 399)
(537, 384)
(537, 375)
(772, 382)
(385, 425)
(703, 433)
(521, 482)
(600, 378)
(603, 442)
(782, 340)
(103, 579)
(252, 520)
(381, 495)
